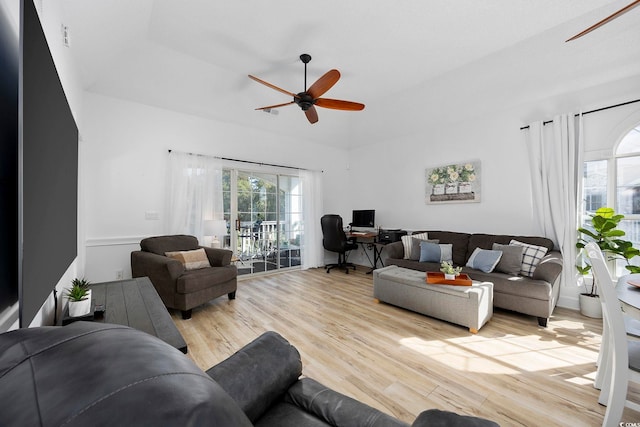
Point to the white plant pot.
(451, 188)
(438, 189)
(449, 276)
(590, 306)
(464, 187)
(80, 308)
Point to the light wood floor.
(512, 371)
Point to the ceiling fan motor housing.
(304, 100)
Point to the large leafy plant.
(605, 233)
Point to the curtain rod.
(252, 162)
(592, 111)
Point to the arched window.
(615, 182)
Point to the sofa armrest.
(438, 418)
(218, 257)
(150, 265)
(259, 374)
(549, 268)
(394, 250)
(337, 409)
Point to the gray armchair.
(178, 287)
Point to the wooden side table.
(134, 303)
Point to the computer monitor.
(363, 218)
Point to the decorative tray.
(436, 278)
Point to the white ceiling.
(404, 59)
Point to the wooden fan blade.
(275, 106)
(337, 104)
(312, 115)
(286, 92)
(605, 20)
(324, 83)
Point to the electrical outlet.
(119, 275)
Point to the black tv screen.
(363, 218)
(9, 88)
(49, 172)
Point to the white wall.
(390, 175)
(125, 161)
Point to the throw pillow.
(531, 256)
(415, 247)
(433, 252)
(191, 260)
(406, 242)
(484, 260)
(511, 259)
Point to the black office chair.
(334, 239)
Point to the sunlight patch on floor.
(495, 355)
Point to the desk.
(368, 238)
(134, 303)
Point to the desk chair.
(622, 364)
(334, 239)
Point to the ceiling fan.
(609, 18)
(309, 98)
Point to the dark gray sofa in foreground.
(535, 296)
(96, 374)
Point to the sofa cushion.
(484, 260)
(434, 252)
(335, 408)
(90, 373)
(531, 256)
(192, 260)
(161, 244)
(406, 243)
(196, 280)
(415, 247)
(269, 363)
(511, 259)
(460, 242)
(486, 241)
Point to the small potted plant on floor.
(79, 296)
(450, 272)
(589, 300)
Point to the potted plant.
(605, 233)
(79, 296)
(589, 300)
(450, 272)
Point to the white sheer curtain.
(194, 193)
(555, 160)
(312, 253)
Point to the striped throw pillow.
(191, 260)
(406, 242)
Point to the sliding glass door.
(264, 219)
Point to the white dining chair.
(632, 328)
(621, 359)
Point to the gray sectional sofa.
(536, 295)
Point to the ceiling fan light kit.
(309, 98)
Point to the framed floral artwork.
(453, 183)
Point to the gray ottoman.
(470, 306)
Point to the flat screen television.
(39, 178)
(363, 218)
(49, 172)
